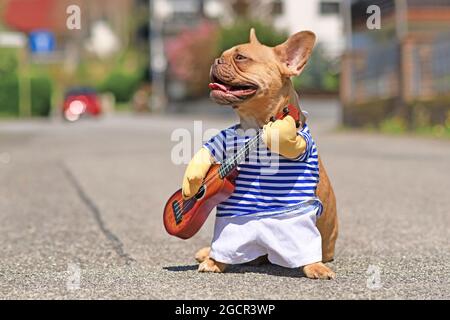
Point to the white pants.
(289, 241)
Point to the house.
(29, 15)
(401, 70)
(323, 17)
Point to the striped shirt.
(268, 184)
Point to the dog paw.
(318, 271)
(209, 265)
(202, 254)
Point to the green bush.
(8, 61)
(9, 88)
(40, 87)
(41, 96)
(40, 90)
(319, 74)
(9, 94)
(395, 125)
(121, 84)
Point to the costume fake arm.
(281, 137)
(195, 172)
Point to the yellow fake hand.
(281, 137)
(195, 172)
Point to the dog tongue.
(218, 86)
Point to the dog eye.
(240, 57)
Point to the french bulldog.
(255, 80)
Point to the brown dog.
(259, 86)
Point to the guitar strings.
(230, 162)
(226, 164)
(241, 152)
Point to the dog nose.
(220, 60)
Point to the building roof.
(29, 15)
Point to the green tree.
(320, 73)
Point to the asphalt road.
(81, 205)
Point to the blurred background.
(154, 56)
(94, 93)
(127, 49)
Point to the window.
(329, 7)
(277, 7)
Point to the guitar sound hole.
(201, 192)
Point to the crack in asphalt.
(112, 238)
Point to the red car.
(81, 102)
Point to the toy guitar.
(183, 218)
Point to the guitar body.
(183, 218)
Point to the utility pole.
(346, 14)
(160, 10)
(401, 29)
(24, 85)
(401, 18)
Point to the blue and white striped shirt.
(268, 184)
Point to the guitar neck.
(229, 165)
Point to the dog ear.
(295, 52)
(253, 38)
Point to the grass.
(396, 128)
(122, 106)
(5, 115)
(437, 131)
(393, 126)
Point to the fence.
(376, 73)
(414, 70)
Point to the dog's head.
(254, 72)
